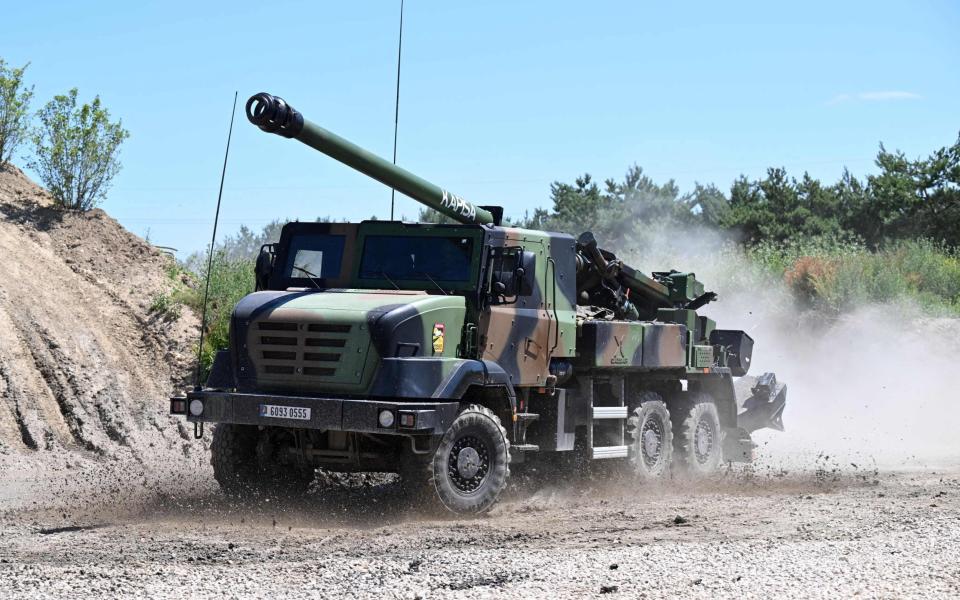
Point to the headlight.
(385, 418)
(196, 407)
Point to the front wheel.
(247, 461)
(472, 462)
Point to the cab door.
(516, 329)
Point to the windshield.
(417, 258)
(312, 255)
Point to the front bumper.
(327, 414)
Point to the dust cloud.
(872, 387)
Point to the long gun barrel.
(274, 115)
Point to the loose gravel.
(823, 533)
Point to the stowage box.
(739, 347)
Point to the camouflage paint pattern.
(611, 344)
(632, 345)
(664, 345)
(523, 336)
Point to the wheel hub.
(468, 463)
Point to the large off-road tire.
(471, 465)
(650, 434)
(697, 435)
(241, 467)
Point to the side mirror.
(514, 274)
(264, 266)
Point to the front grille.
(308, 350)
(278, 326)
(328, 342)
(321, 356)
(273, 340)
(328, 328)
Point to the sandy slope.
(84, 366)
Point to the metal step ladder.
(612, 418)
(523, 420)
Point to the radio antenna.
(396, 107)
(213, 240)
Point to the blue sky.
(498, 99)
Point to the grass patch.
(166, 306)
(838, 277)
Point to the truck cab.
(401, 307)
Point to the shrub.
(76, 150)
(14, 108)
(810, 276)
(837, 277)
(167, 306)
(230, 280)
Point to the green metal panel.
(611, 344)
(683, 286)
(322, 342)
(702, 356)
(708, 326)
(555, 302)
(678, 315)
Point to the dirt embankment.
(85, 366)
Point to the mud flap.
(763, 406)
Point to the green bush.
(167, 306)
(14, 110)
(77, 150)
(839, 276)
(230, 280)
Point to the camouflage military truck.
(446, 353)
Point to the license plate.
(285, 412)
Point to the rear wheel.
(651, 436)
(472, 462)
(696, 435)
(250, 461)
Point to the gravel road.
(832, 531)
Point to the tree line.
(906, 199)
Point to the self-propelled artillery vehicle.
(448, 352)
